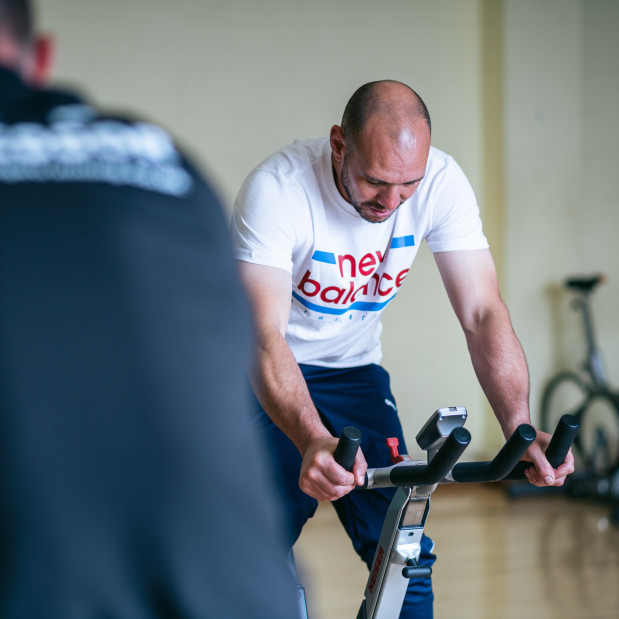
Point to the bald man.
(325, 231)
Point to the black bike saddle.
(585, 284)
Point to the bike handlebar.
(443, 466)
(503, 462)
(347, 447)
(557, 449)
(438, 468)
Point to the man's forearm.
(501, 368)
(282, 391)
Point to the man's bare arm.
(281, 388)
(497, 356)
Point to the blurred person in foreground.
(130, 482)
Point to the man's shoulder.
(439, 159)
(296, 159)
(442, 167)
(52, 136)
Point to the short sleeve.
(264, 218)
(456, 223)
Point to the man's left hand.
(542, 473)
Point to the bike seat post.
(584, 287)
(595, 363)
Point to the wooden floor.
(542, 557)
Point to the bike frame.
(444, 439)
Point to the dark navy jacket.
(131, 484)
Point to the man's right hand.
(323, 478)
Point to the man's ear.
(338, 143)
(43, 55)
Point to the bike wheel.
(566, 393)
(599, 440)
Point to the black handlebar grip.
(557, 449)
(513, 450)
(449, 452)
(503, 462)
(438, 468)
(562, 440)
(347, 447)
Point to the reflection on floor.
(541, 557)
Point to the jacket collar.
(19, 102)
(13, 91)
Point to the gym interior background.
(522, 93)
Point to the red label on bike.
(377, 563)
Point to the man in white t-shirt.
(325, 231)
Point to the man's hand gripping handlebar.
(443, 466)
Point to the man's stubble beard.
(357, 205)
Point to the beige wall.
(235, 80)
(562, 162)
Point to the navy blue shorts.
(361, 397)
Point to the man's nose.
(391, 197)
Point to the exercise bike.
(444, 439)
(587, 394)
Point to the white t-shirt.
(289, 214)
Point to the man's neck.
(11, 55)
(336, 180)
